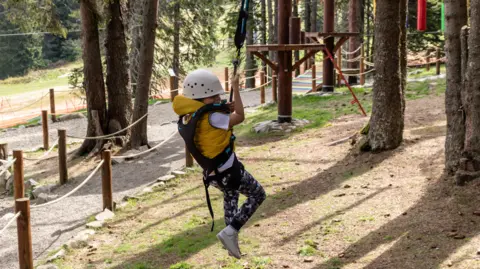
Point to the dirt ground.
(327, 207)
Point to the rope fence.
(9, 223)
(22, 108)
(352, 52)
(110, 135)
(146, 151)
(360, 74)
(256, 88)
(72, 191)
(7, 166)
(358, 59)
(44, 155)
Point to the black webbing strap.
(209, 205)
(240, 36)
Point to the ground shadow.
(168, 252)
(324, 182)
(424, 236)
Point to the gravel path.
(54, 225)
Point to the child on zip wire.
(206, 126)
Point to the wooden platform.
(317, 34)
(286, 47)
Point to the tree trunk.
(306, 15)
(263, 31)
(470, 163)
(118, 80)
(176, 44)
(93, 74)
(295, 8)
(139, 131)
(250, 61)
(135, 20)
(275, 31)
(367, 26)
(313, 20)
(271, 29)
(296, 54)
(455, 18)
(386, 123)
(353, 26)
(313, 15)
(403, 49)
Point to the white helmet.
(200, 84)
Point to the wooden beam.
(339, 44)
(265, 60)
(317, 34)
(306, 57)
(285, 47)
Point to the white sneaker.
(229, 239)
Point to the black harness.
(188, 129)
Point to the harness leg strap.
(209, 205)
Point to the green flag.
(443, 17)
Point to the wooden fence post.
(262, 87)
(173, 92)
(438, 62)
(339, 59)
(303, 41)
(227, 88)
(428, 63)
(4, 151)
(274, 87)
(45, 129)
(62, 156)
(362, 66)
(18, 175)
(314, 78)
(52, 105)
(24, 233)
(107, 180)
(188, 158)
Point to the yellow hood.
(210, 141)
(183, 105)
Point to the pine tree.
(19, 53)
(387, 121)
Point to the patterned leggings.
(249, 187)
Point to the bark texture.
(139, 131)
(93, 74)
(470, 163)
(135, 31)
(306, 15)
(354, 26)
(387, 121)
(271, 30)
(250, 60)
(176, 44)
(403, 49)
(118, 79)
(263, 30)
(455, 18)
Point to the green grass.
(181, 265)
(37, 80)
(307, 251)
(367, 219)
(260, 262)
(319, 110)
(335, 263)
(417, 90)
(424, 73)
(123, 249)
(184, 246)
(140, 265)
